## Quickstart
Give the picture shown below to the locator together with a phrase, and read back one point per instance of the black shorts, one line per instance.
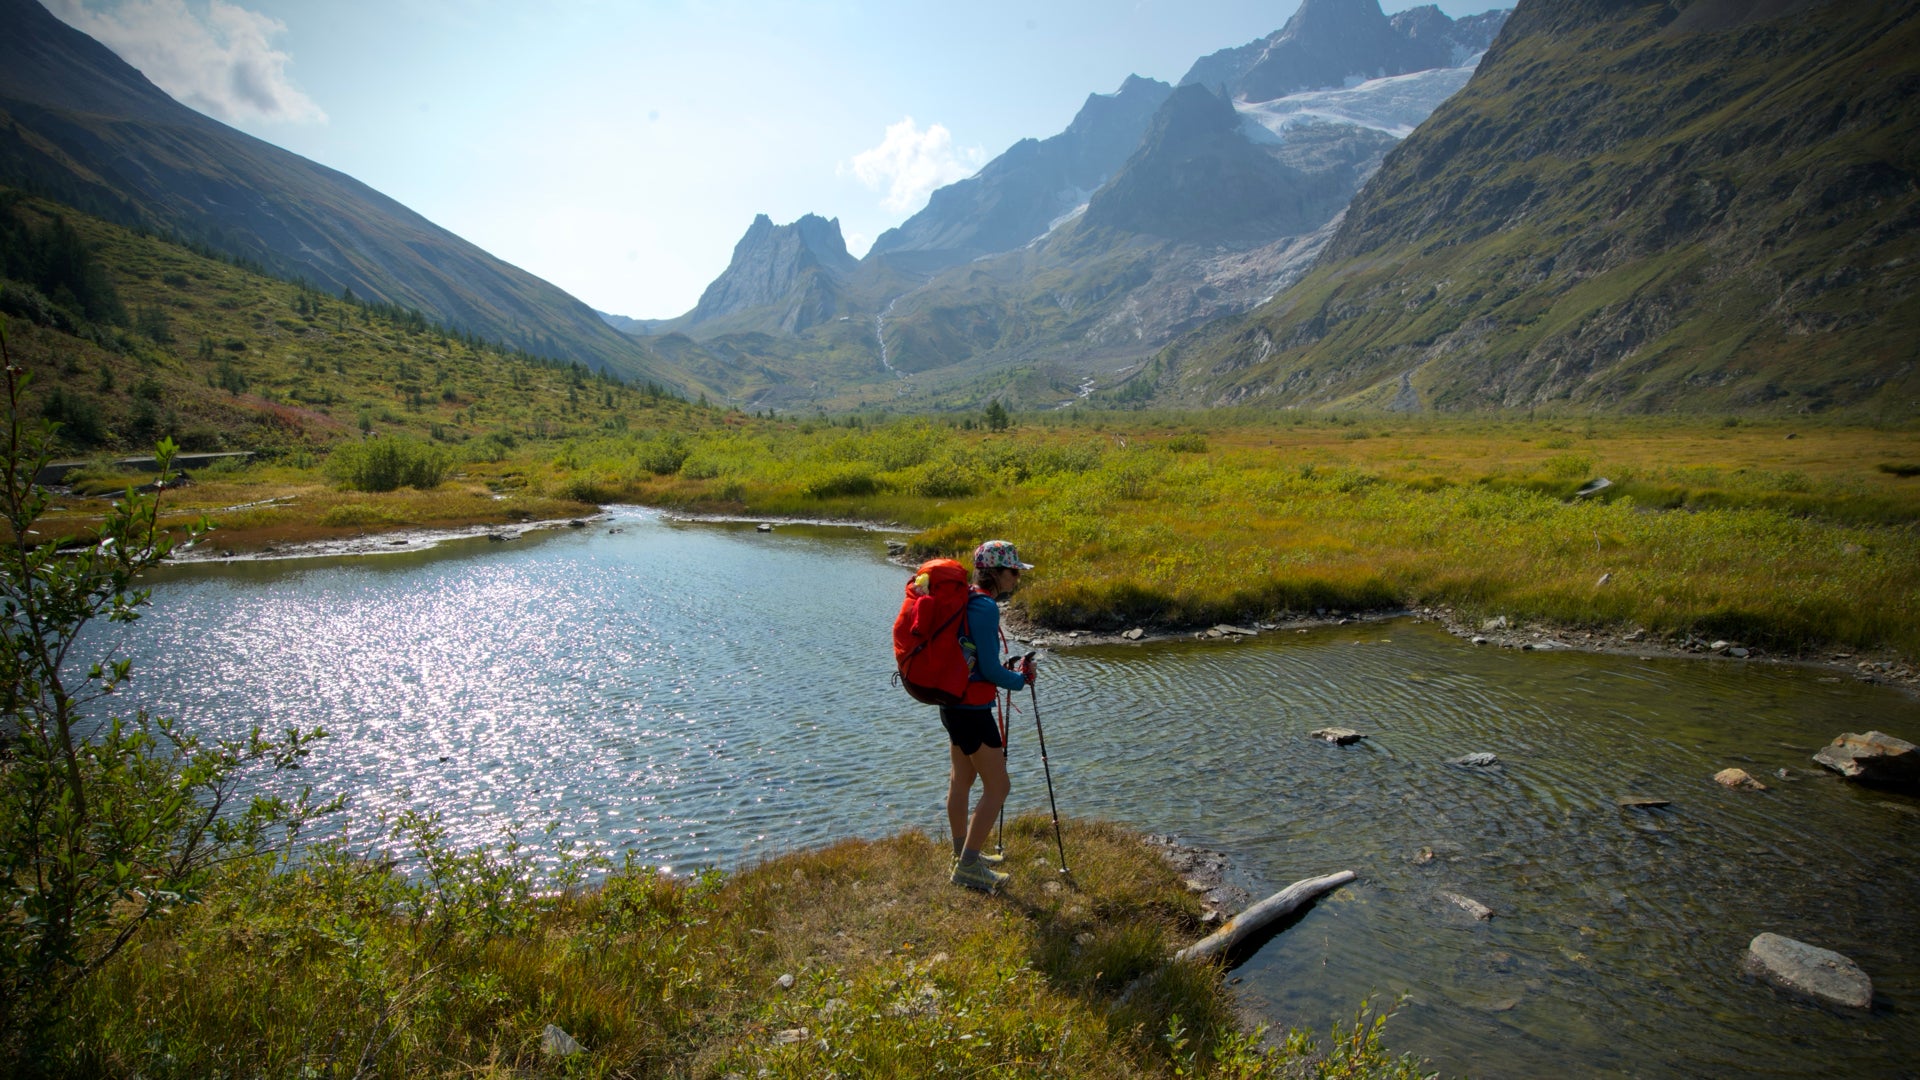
(970, 729)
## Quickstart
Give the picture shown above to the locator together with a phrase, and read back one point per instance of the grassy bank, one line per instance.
(893, 972)
(1787, 537)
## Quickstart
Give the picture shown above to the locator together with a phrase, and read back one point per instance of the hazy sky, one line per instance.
(619, 149)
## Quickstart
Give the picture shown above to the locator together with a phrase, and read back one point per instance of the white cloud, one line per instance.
(222, 62)
(909, 164)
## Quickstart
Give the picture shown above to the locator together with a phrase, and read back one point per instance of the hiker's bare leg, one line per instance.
(959, 786)
(990, 762)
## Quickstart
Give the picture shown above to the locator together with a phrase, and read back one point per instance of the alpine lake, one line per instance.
(705, 695)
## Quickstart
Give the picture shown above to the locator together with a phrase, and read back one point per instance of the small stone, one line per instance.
(1210, 918)
(1635, 636)
(1498, 622)
(1084, 937)
(1738, 778)
(557, 1043)
(1604, 578)
(1134, 634)
(1338, 736)
(1479, 760)
(1478, 640)
(1738, 653)
(1807, 969)
(1235, 631)
(1423, 857)
(763, 527)
(1641, 802)
(785, 981)
(1720, 646)
(1195, 885)
(789, 1036)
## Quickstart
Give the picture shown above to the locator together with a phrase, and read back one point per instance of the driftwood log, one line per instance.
(1248, 922)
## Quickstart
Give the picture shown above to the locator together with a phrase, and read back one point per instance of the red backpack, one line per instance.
(926, 636)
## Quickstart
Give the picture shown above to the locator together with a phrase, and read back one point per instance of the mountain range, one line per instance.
(1595, 204)
(1157, 209)
(79, 125)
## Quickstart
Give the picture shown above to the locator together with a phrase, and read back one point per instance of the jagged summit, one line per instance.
(1020, 194)
(796, 268)
(1328, 42)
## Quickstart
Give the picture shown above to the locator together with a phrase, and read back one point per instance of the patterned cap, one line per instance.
(998, 553)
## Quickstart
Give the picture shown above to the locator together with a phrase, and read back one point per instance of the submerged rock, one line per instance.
(1468, 904)
(1338, 736)
(1479, 760)
(1642, 802)
(1807, 969)
(1872, 758)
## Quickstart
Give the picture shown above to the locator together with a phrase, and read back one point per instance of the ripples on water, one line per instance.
(705, 695)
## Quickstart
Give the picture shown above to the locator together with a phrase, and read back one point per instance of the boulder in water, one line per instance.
(1478, 760)
(1873, 758)
(1807, 969)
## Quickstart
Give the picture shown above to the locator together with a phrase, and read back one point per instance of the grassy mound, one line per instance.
(858, 959)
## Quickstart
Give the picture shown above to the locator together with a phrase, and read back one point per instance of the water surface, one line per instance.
(707, 695)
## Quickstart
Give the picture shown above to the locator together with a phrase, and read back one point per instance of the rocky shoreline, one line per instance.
(1881, 667)
(210, 550)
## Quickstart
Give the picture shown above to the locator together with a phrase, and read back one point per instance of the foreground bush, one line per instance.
(108, 823)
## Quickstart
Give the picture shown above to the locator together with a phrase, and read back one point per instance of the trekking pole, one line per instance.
(1006, 750)
(1055, 807)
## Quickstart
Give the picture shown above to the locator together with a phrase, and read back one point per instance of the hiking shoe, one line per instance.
(978, 876)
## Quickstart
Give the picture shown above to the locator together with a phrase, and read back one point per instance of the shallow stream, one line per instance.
(706, 694)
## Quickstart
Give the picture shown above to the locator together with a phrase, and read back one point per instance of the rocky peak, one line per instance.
(771, 261)
(1196, 177)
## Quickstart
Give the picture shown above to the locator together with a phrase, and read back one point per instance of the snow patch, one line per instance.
(1396, 104)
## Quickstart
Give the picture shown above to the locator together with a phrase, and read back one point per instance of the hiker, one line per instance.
(976, 750)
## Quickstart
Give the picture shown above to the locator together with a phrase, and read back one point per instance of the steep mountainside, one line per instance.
(1020, 194)
(80, 125)
(1198, 177)
(1330, 42)
(1633, 205)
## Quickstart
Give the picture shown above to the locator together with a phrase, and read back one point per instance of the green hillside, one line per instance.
(157, 339)
(1635, 207)
(79, 125)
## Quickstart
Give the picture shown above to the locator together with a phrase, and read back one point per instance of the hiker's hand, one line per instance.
(1027, 670)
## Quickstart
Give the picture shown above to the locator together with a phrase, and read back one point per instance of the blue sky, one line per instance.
(619, 149)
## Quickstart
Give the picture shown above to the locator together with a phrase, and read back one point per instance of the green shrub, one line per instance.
(848, 480)
(1191, 442)
(387, 463)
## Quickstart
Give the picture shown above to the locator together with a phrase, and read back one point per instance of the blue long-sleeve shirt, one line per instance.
(983, 624)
